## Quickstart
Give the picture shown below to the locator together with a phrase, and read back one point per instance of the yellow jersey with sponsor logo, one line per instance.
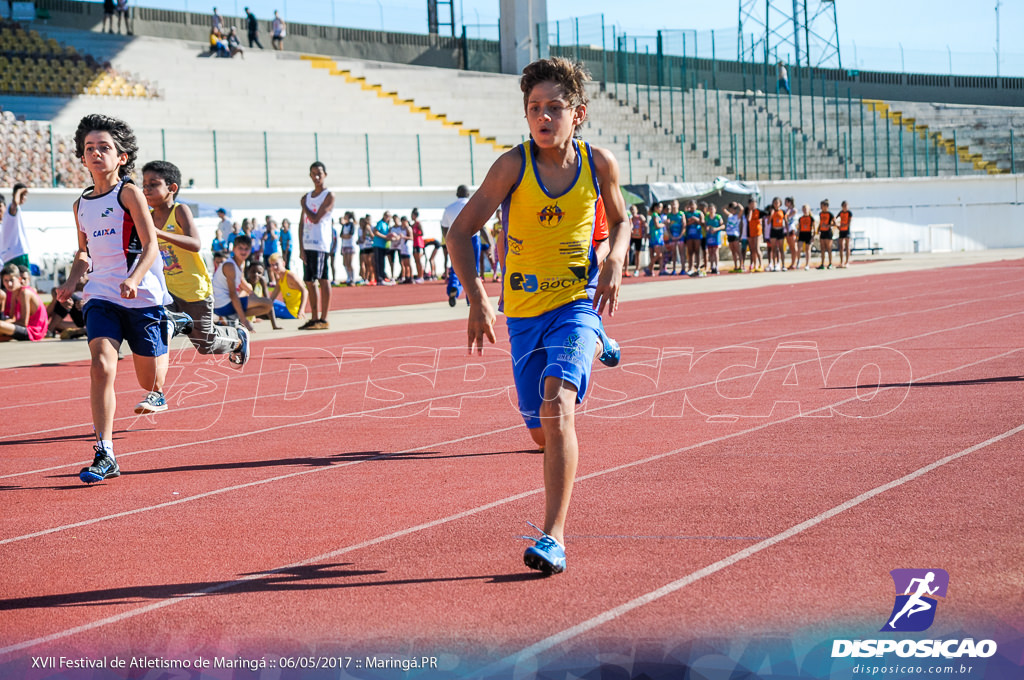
(549, 258)
(184, 271)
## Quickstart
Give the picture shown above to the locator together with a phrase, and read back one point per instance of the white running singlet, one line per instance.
(114, 248)
(316, 235)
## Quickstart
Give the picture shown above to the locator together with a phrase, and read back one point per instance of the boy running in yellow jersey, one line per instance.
(188, 279)
(548, 189)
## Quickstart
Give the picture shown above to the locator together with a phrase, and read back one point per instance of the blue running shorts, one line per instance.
(558, 343)
(145, 329)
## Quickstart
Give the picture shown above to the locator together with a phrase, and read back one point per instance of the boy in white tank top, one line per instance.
(315, 247)
(125, 294)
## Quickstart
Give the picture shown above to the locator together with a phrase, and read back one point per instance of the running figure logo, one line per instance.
(915, 605)
(551, 216)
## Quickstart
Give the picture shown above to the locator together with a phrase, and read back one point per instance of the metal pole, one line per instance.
(615, 62)
(714, 63)
(888, 146)
(901, 147)
(163, 144)
(694, 107)
(768, 139)
(626, 64)
(577, 41)
(874, 135)
(757, 150)
(732, 137)
(925, 154)
(836, 100)
(636, 60)
(849, 118)
(913, 150)
(604, 56)
(707, 131)
(718, 120)
(216, 169)
(1013, 164)
(782, 154)
(316, 146)
(682, 156)
(659, 62)
(53, 160)
(743, 138)
(266, 159)
(629, 155)
(846, 158)
(814, 132)
(792, 153)
(824, 112)
(671, 104)
(647, 64)
(956, 156)
(366, 140)
(863, 166)
(805, 159)
(419, 158)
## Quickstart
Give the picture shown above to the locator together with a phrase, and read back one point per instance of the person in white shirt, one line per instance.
(13, 237)
(450, 213)
(315, 247)
(278, 27)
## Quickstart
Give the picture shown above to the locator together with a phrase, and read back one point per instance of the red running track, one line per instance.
(758, 464)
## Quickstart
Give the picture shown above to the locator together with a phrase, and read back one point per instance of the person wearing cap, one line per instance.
(224, 226)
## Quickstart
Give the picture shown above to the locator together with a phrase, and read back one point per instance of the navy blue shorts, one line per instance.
(559, 343)
(146, 329)
(229, 309)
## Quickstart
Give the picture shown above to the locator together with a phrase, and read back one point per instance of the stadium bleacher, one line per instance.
(257, 121)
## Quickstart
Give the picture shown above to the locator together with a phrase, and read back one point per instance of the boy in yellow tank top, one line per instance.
(552, 291)
(188, 279)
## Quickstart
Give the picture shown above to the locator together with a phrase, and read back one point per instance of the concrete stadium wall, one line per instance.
(985, 212)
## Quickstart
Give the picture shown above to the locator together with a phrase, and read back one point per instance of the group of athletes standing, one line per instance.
(684, 239)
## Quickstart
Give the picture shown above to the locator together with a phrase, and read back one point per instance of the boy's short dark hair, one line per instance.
(120, 132)
(219, 253)
(16, 188)
(318, 164)
(571, 75)
(243, 240)
(166, 171)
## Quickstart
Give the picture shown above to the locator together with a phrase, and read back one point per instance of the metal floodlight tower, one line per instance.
(802, 32)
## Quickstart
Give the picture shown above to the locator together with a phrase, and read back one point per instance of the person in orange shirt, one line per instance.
(754, 217)
(776, 235)
(825, 222)
(805, 234)
(844, 217)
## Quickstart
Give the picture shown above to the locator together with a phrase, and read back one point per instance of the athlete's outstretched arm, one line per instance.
(610, 281)
(499, 181)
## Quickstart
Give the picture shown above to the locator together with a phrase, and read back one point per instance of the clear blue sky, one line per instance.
(932, 33)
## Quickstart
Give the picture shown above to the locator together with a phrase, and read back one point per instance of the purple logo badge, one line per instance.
(916, 591)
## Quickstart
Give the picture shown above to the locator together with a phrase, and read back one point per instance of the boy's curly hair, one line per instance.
(120, 132)
(571, 75)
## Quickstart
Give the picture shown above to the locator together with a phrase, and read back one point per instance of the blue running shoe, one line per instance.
(611, 353)
(103, 467)
(546, 555)
(241, 355)
(180, 322)
(153, 403)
